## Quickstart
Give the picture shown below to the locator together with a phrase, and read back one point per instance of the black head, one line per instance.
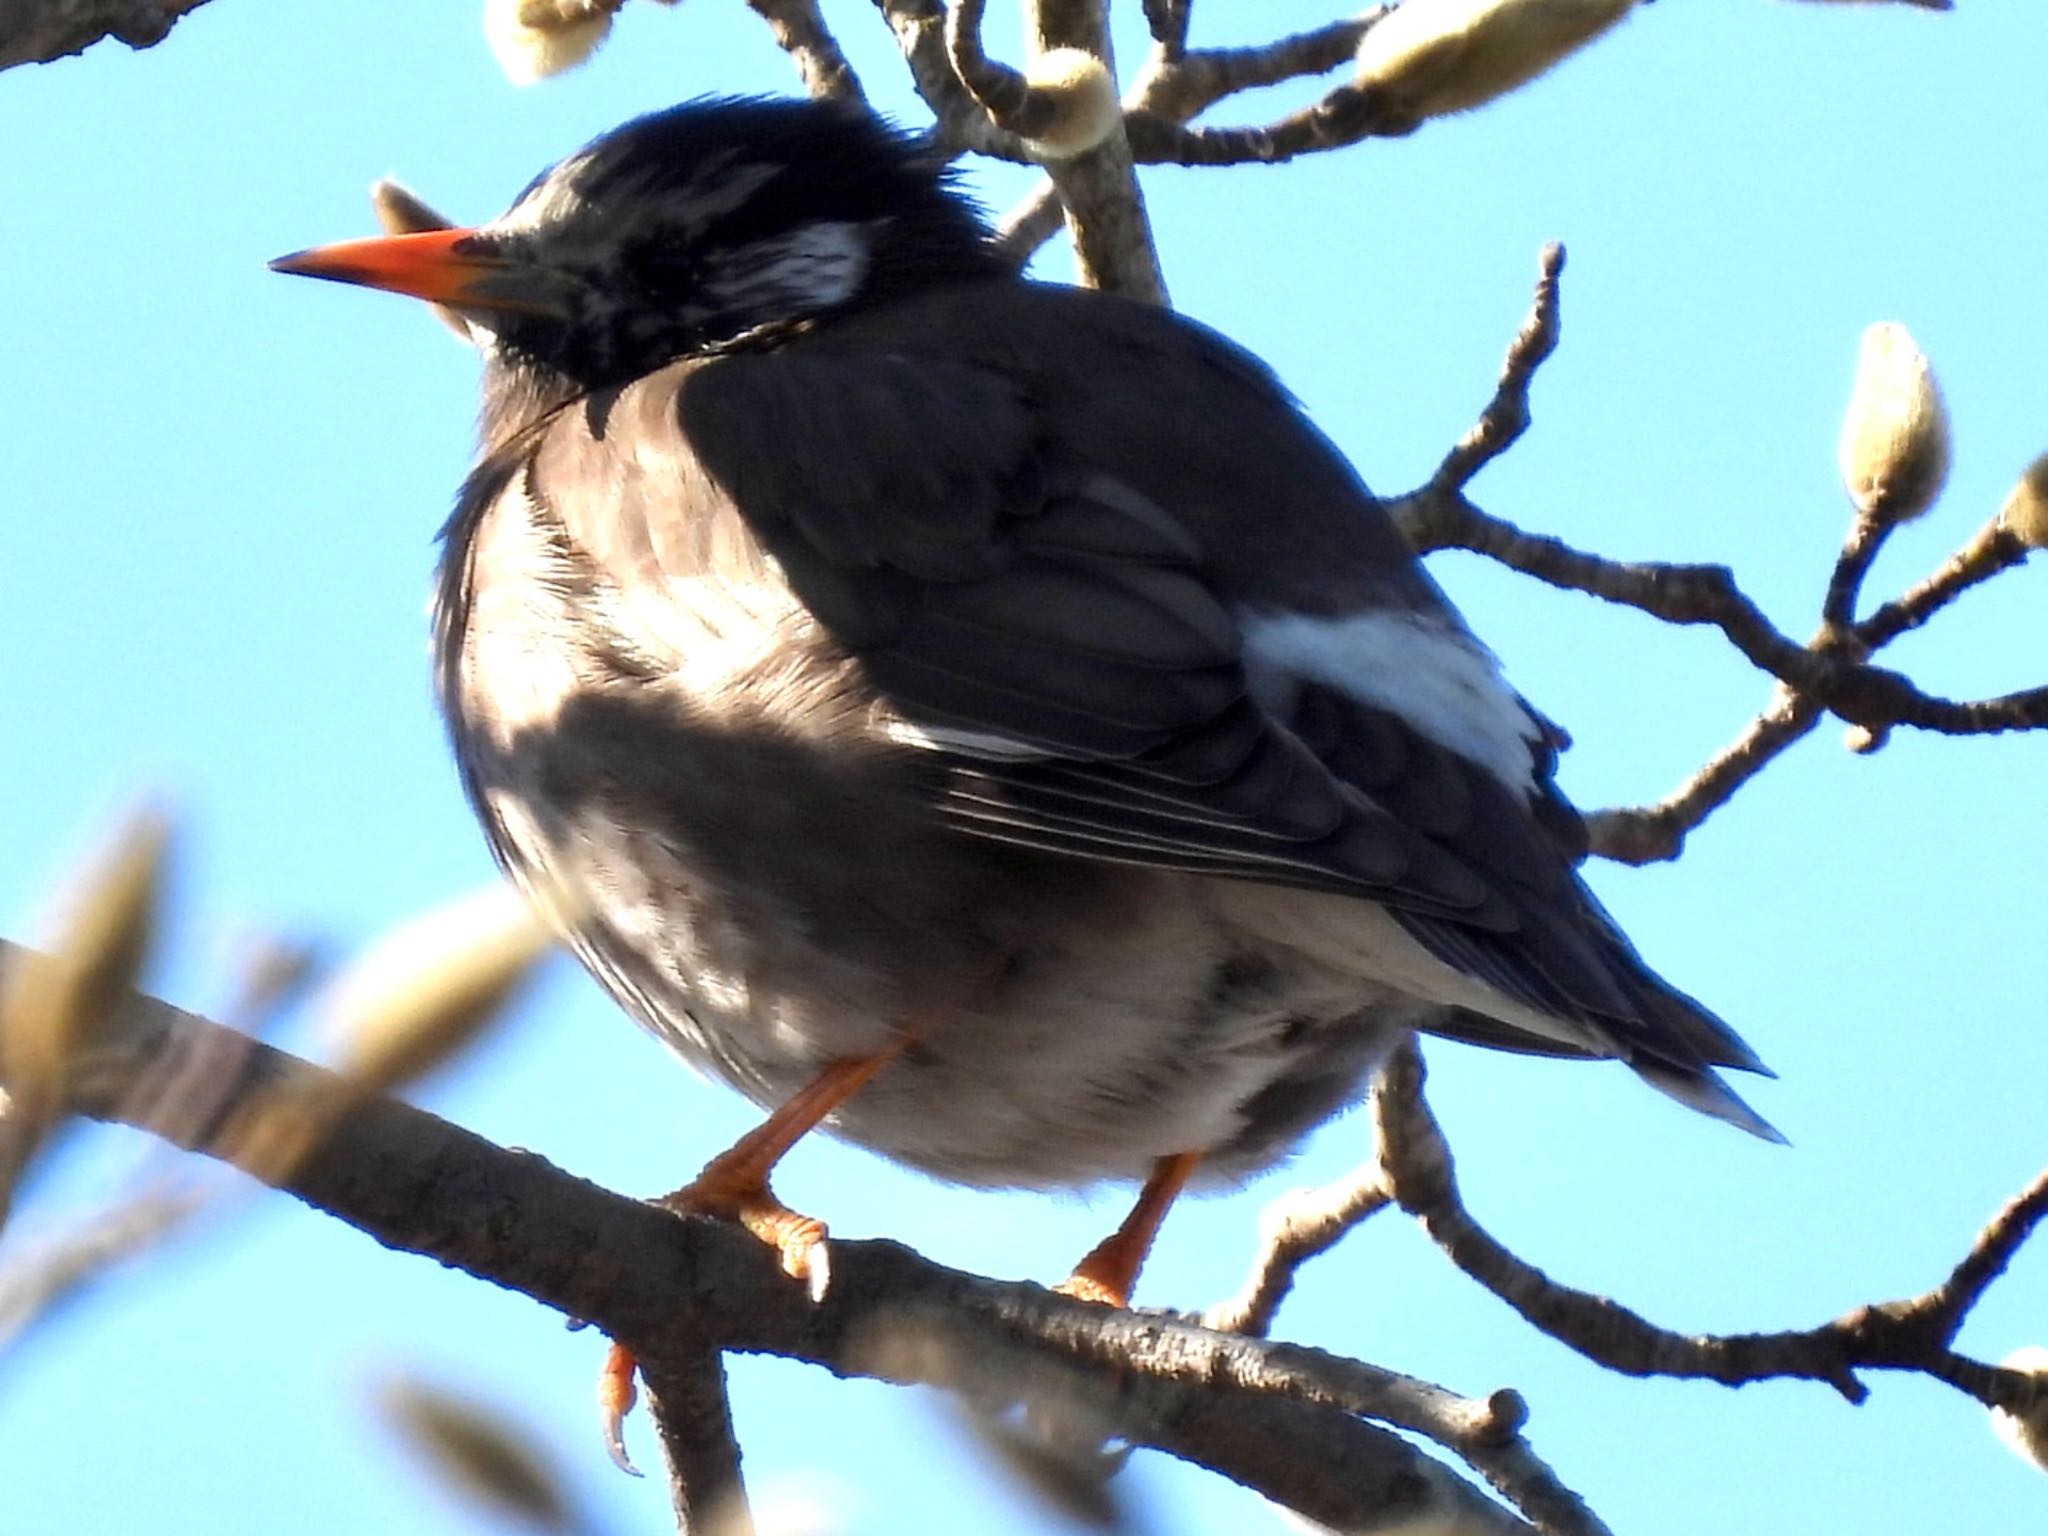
(712, 224)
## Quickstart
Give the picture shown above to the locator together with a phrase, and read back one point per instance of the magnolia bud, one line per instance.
(1895, 439)
(496, 1464)
(428, 988)
(1082, 96)
(1430, 57)
(2027, 1434)
(532, 39)
(2025, 513)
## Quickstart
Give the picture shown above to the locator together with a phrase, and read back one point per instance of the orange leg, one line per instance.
(1110, 1271)
(734, 1186)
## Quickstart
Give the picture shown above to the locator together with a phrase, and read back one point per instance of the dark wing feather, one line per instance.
(1066, 649)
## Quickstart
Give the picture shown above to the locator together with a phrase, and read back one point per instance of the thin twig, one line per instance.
(1653, 833)
(1910, 1335)
(1168, 22)
(1003, 93)
(1185, 87)
(1297, 1227)
(800, 32)
(1860, 548)
(1176, 88)
(1831, 672)
(1990, 551)
(1506, 416)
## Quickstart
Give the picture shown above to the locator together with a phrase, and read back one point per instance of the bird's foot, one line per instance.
(738, 1193)
(799, 1241)
(1107, 1276)
(1110, 1272)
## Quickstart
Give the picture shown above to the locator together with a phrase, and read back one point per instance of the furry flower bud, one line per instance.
(532, 39)
(1430, 57)
(2025, 513)
(1895, 436)
(1082, 96)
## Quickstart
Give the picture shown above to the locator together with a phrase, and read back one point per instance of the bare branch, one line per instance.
(800, 32)
(1944, 1308)
(1003, 93)
(1648, 834)
(1174, 87)
(1830, 673)
(1506, 416)
(1992, 550)
(1168, 22)
(1106, 217)
(1184, 87)
(1035, 219)
(1911, 1335)
(38, 31)
(920, 29)
(1294, 1229)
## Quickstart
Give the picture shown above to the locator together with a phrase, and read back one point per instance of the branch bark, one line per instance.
(1279, 1419)
(40, 31)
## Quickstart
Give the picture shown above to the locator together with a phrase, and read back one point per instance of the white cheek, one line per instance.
(813, 268)
(1440, 680)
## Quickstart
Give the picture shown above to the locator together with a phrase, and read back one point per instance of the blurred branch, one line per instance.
(39, 1282)
(39, 31)
(1913, 1334)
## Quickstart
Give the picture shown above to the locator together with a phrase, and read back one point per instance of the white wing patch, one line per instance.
(970, 743)
(1437, 678)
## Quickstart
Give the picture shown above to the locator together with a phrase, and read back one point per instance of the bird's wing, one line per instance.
(1060, 645)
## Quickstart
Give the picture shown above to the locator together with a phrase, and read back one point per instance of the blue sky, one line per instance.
(220, 494)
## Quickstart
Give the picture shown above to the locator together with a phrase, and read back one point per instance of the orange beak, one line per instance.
(443, 266)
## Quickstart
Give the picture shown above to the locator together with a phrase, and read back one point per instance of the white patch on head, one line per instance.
(1436, 677)
(812, 268)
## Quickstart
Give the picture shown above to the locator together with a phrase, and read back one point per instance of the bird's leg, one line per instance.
(1110, 1271)
(734, 1184)
(734, 1187)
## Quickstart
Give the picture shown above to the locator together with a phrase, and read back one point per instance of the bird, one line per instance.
(980, 716)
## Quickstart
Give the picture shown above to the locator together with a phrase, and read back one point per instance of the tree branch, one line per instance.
(39, 31)
(800, 32)
(1910, 1335)
(686, 1399)
(1830, 673)
(1276, 1418)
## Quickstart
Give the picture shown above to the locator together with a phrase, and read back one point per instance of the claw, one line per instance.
(616, 1395)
